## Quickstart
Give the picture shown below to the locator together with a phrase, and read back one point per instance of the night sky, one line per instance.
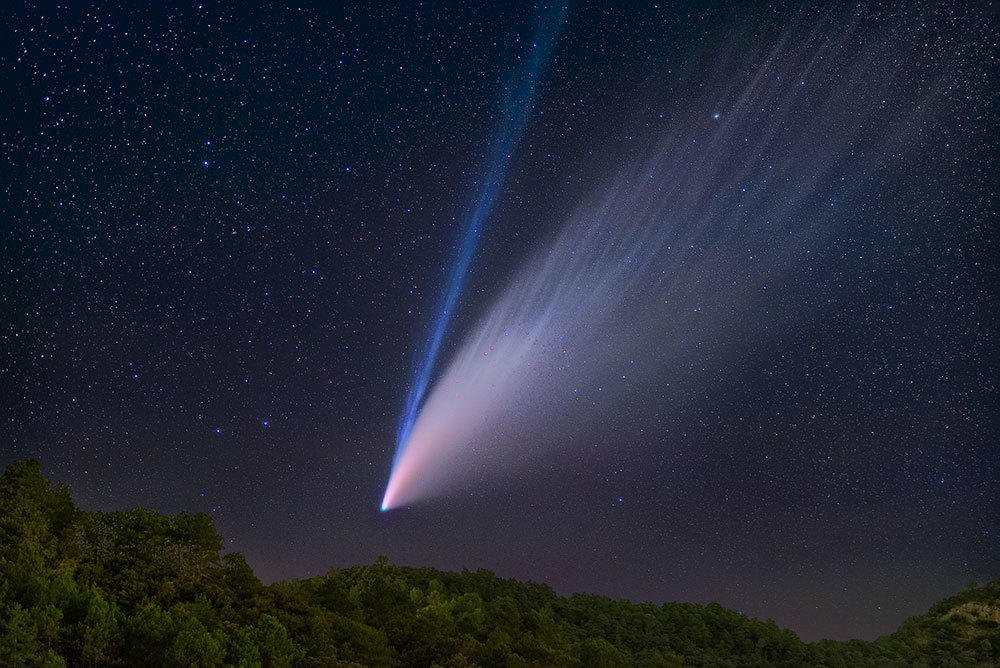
(749, 248)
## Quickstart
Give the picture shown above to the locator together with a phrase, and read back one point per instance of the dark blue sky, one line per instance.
(229, 233)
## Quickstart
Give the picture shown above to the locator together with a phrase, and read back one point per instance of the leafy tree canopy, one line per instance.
(137, 588)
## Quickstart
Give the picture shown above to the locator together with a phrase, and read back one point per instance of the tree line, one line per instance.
(138, 588)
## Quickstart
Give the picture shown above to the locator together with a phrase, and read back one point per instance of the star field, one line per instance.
(229, 233)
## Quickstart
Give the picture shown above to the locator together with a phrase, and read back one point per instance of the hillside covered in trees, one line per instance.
(136, 588)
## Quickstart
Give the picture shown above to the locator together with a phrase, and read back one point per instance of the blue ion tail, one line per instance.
(515, 109)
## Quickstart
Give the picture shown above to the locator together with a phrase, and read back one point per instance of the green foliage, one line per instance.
(192, 644)
(276, 647)
(136, 588)
(599, 653)
(20, 641)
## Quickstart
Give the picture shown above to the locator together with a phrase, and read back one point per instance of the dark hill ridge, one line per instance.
(136, 588)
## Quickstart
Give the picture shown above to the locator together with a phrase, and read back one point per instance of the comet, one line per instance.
(661, 274)
(516, 108)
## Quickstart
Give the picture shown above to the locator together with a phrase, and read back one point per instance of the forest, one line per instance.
(138, 588)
